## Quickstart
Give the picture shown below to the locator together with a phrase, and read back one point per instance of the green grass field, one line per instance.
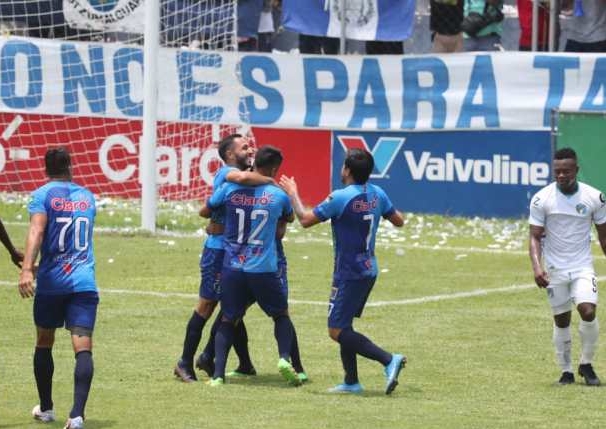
(454, 295)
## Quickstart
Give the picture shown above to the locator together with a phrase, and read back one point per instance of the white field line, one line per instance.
(411, 301)
(295, 239)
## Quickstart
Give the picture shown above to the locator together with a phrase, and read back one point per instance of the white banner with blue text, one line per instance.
(430, 92)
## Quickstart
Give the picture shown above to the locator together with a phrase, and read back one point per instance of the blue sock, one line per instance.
(193, 333)
(361, 345)
(209, 349)
(223, 342)
(83, 376)
(283, 331)
(44, 368)
(294, 352)
(241, 347)
(350, 365)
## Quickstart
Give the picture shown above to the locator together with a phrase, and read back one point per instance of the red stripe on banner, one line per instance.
(353, 142)
(105, 155)
(307, 157)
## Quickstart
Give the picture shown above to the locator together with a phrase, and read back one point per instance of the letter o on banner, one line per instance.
(208, 157)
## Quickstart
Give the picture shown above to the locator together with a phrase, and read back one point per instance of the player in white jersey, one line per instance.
(561, 215)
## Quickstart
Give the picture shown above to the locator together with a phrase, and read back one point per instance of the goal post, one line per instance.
(583, 131)
(105, 92)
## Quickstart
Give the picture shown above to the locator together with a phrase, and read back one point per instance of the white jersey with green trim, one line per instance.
(567, 220)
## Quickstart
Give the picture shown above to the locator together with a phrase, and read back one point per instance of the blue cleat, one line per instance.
(392, 370)
(347, 388)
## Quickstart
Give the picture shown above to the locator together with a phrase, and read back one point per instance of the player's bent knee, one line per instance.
(45, 338)
(587, 311)
(205, 307)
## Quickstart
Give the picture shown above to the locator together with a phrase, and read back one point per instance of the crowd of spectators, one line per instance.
(454, 26)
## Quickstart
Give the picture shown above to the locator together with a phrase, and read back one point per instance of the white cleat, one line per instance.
(44, 416)
(75, 423)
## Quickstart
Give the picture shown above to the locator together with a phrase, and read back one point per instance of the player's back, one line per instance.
(251, 218)
(67, 262)
(355, 212)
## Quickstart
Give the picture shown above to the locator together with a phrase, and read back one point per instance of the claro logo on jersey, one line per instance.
(250, 200)
(360, 206)
(500, 169)
(65, 205)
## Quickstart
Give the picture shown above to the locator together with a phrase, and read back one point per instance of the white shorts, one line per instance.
(567, 287)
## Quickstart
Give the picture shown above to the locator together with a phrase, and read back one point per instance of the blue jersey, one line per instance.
(251, 220)
(67, 262)
(355, 212)
(218, 215)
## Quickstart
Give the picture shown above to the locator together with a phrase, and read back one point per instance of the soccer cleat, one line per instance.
(185, 372)
(242, 373)
(566, 378)
(43, 416)
(392, 370)
(303, 377)
(203, 363)
(347, 388)
(288, 372)
(586, 371)
(74, 423)
(216, 382)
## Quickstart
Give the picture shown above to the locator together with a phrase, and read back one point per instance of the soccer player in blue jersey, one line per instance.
(355, 212)
(62, 215)
(16, 255)
(250, 266)
(236, 152)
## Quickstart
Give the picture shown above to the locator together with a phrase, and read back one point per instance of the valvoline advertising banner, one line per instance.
(486, 173)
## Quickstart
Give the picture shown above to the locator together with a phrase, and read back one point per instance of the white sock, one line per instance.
(562, 341)
(589, 339)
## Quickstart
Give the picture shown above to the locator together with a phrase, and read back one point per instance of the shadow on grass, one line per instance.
(100, 424)
(264, 380)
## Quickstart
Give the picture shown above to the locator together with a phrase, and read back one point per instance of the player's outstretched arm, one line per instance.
(602, 236)
(306, 217)
(16, 255)
(396, 219)
(534, 251)
(33, 242)
(248, 178)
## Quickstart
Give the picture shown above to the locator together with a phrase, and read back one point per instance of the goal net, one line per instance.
(72, 75)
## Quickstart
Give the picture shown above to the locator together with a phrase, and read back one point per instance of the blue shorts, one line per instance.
(240, 289)
(283, 278)
(71, 310)
(347, 300)
(211, 264)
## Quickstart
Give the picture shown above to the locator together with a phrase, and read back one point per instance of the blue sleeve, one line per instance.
(217, 197)
(387, 208)
(331, 207)
(287, 210)
(220, 177)
(36, 203)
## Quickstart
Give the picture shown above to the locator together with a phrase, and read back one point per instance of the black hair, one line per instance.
(360, 163)
(226, 144)
(565, 153)
(57, 162)
(268, 157)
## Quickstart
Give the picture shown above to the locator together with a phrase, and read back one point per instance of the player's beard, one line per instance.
(243, 162)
